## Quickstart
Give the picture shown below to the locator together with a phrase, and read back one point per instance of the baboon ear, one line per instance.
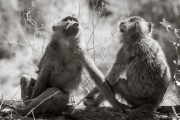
(150, 26)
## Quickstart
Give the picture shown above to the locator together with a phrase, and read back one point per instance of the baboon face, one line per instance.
(135, 25)
(69, 26)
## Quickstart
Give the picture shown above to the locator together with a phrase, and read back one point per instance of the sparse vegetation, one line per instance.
(25, 28)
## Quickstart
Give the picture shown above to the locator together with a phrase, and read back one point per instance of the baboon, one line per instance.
(144, 63)
(60, 72)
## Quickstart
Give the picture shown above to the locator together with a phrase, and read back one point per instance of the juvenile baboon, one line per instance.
(143, 61)
(60, 72)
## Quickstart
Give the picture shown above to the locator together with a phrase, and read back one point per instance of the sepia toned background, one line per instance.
(25, 30)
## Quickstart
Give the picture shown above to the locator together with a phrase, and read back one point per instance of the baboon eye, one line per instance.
(134, 19)
(70, 18)
(75, 19)
(67, 18)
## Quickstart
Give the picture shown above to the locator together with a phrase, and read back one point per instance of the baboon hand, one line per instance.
(90, 102)
(121, 107)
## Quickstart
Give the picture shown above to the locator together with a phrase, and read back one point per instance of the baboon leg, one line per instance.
(94, 101)
(122, 89)
(52, 101)
(92, 93)
(95, 91)
(100, 98)
(148, 108)
(90, 99)
(27, 85)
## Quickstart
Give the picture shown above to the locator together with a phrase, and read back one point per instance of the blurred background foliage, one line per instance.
(25, 30)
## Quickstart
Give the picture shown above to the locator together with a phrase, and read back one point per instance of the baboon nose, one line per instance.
(75, 24)
(122, 23)
(122, 27)
(54, 28)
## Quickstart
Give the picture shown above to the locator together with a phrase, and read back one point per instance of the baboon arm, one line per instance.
(117, 68)
(111, 78)
(98, 78)
(114, 74)
(41, 82)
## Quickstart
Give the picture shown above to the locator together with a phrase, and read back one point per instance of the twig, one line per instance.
(33, 115)
(172, 100)
(79, 10)
(175, 112)
(164, 23)
(5, 98)
(29, 63)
